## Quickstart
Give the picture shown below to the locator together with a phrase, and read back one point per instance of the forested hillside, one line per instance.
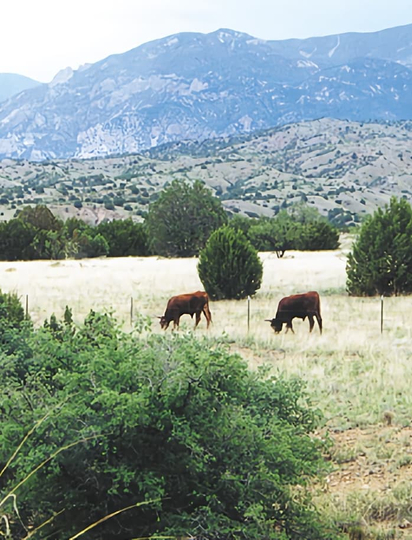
(344, 169)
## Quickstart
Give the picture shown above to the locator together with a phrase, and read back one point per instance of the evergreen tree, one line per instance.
(229, 266)
(16, 239)
(317, 236)
(381, 258)
(182, 219)
(40, 217)
(124, 237)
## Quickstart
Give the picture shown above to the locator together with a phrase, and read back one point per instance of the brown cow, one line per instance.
(300, 306)
(190, 304)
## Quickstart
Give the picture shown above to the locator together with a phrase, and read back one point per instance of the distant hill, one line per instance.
(201, 86)
(344, 169)
(11, 84)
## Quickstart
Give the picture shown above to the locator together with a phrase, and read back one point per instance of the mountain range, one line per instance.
(11, 84)
(201, 86)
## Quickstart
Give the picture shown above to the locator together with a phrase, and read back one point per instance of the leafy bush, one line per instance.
(40, 217)
(277, 234)
(125, 237)
(180, 426)
(229, 266)
(317, 236)
(302, 229)
(16, 239)
(381, 258)
(11, 309)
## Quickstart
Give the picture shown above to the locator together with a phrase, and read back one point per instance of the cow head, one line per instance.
(276, 324)
(164, 323)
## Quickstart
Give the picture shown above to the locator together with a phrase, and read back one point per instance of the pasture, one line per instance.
(357, 376)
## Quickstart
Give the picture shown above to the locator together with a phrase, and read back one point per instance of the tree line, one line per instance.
(37, 234)
(187, 220)
(178, 224)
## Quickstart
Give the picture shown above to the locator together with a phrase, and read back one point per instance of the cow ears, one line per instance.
(268, 320)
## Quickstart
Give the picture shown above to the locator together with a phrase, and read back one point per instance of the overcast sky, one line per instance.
(40, 37)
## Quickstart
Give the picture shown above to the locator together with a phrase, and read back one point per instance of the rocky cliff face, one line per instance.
(199, 86)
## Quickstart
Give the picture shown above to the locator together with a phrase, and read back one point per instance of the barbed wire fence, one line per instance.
(381, 313)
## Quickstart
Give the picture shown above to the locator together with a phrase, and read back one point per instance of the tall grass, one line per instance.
(354, 372)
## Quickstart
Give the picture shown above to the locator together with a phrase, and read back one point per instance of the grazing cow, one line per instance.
(190, 304)
(300, 306)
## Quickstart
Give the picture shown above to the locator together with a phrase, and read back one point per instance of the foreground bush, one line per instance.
(178, 425)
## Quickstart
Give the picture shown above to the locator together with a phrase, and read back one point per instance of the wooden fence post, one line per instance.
(248, 313)
(381, 313)
(131, 311)
(27, 306)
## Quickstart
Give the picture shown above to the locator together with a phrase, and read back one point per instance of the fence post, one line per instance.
(248, 313)
(131, 311)
(27, 306)
(381, 313)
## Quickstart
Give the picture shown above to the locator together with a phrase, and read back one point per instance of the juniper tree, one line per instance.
(381, 258)
(229, 266)
(182, 219)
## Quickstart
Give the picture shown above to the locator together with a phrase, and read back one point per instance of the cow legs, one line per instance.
(176, 323)
(198, 315)
(208, 315)
(311, 322)
(289, 326)
(319, 319)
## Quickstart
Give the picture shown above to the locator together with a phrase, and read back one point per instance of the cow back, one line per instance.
(299, 304)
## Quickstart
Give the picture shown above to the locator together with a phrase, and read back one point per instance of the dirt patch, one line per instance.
(377, 458)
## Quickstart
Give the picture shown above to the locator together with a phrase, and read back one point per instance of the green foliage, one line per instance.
(40, 217)
(301, 229)
(182, 219)
(316, 236)
(13, 328)
(16, 239)
(275, 234)
(49, 244)
(229, 266)
(36, 234)
(88, 244)
(222, 451)
(11, 309)
(124, 237)
(381, 258)
(241, 223)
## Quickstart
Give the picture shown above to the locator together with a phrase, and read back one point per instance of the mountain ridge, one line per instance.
(202, 86)
(13, 83)
(344, 169)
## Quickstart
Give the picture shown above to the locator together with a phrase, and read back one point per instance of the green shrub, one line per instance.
(229, 266)
(381, 258)
(181, 426)
(11, 309)
(316, 236)
(125, 237)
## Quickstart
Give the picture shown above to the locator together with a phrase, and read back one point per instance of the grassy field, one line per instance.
(359, 377)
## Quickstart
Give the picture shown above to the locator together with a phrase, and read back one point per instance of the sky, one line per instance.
(38, 38)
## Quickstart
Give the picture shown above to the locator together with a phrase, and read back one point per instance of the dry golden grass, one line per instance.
(111, 283)
(354, 372)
